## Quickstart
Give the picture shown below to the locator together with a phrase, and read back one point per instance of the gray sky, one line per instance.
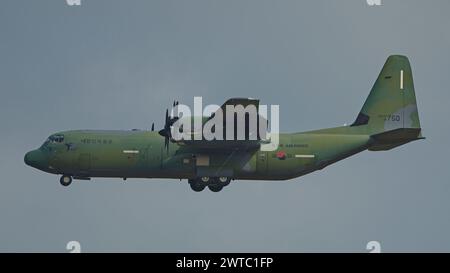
(118, 65)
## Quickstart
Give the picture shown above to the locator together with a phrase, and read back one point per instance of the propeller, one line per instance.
(165, 132)
(169, 121)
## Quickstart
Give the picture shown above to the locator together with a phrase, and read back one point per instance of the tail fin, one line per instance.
(391, 105)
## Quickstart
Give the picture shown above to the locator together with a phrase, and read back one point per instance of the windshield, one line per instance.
(56, 139)
(53, 139)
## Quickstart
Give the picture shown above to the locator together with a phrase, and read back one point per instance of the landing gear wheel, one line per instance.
(197, 187)
(65, 180)
(215, 187)
(224, 181)
(205, 179)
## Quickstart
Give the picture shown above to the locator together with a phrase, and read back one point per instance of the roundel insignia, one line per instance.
(281, 155)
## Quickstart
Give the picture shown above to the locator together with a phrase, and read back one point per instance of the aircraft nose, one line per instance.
(35, 159)
(28, 157)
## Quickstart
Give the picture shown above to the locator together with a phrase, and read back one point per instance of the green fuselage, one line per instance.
(141, 154)
(389, 118)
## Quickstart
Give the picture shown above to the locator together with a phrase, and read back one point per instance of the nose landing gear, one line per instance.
(65, 180)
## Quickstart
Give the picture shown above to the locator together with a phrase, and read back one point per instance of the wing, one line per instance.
(223, 124)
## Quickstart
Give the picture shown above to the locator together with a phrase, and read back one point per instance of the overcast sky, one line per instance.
(119, 64)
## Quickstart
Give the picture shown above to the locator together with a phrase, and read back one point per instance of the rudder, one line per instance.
(390, 112)
(391, 103)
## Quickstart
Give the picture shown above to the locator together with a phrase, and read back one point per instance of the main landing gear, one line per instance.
(65, 180)
(215, 184)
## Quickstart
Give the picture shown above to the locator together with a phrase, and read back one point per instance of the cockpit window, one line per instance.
(56, 138)
(53, 139)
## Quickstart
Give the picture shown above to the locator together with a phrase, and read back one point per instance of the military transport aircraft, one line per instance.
(389, 118)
